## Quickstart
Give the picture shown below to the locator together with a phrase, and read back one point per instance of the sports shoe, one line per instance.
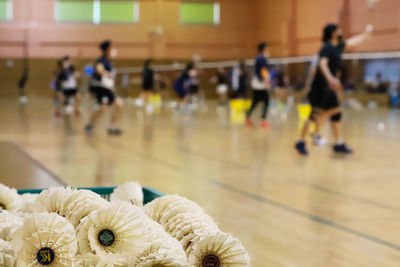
(249, 123)
(301, 148)
(114, 131)
(319, 140)
(264, 124)
(89, 129)
(342, 148)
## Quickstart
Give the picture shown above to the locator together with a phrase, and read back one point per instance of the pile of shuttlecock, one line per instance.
(64, 226)
(200, 237)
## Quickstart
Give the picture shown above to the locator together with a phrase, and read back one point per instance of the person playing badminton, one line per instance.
(326, 89)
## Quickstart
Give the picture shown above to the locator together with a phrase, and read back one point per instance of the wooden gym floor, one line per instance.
(323, 210)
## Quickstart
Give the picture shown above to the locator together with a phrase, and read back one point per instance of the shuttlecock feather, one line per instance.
(7, 258)
(156, 209)
(79, 204)
(219, 249)
(28, 202)
(9, 198)
(45, 238)
(131, 192)
(51, 200)
(156, 254)
(112, 232)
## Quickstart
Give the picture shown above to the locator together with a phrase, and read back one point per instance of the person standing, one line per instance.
(102, 85)
(68, 85)
(148, 81)
(261, 84)
(326, 89)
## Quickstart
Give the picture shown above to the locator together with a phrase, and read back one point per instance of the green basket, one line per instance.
(149, 194)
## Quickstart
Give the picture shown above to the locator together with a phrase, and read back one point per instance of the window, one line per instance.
(97, 11)
(6, 10)
(119, 11)
(200, 13)
(74, 11)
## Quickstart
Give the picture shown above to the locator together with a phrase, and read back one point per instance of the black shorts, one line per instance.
(324, 100)
(93, 90)
(105, 96)
(70, 93)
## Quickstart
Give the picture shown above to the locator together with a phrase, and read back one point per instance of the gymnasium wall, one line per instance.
(34, 22)
(293, 27)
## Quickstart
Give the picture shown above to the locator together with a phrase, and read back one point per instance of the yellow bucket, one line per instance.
(240, 105)
(155, 99)
(238, 110)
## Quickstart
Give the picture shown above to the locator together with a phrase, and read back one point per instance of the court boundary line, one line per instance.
(311, 186)
(328, 190)
(310, 216)
(37, 163)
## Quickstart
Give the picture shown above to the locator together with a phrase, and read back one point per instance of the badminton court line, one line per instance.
(307, 215)
(327, 190)
(37, 163)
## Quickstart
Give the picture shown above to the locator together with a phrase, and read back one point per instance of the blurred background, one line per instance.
(288, 210)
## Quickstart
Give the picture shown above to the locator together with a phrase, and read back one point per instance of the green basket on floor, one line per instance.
(149, 194)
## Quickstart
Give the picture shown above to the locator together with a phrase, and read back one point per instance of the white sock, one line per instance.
(340, 142)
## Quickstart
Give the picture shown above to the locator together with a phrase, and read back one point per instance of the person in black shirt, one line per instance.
(21, 85)
(102, 85)
(242, 81)
(149, 78)
(239, 80)
(66, 82)
(326, 89)
(220, 78)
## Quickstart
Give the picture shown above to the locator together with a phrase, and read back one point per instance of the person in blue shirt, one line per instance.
(102, 86)
(261, 84)
(181, 83)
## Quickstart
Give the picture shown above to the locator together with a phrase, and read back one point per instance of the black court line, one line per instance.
(307, 215)
(37, 163)
(338, 193)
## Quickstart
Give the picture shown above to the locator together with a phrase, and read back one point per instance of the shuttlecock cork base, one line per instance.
(45, 256)
(210, 261)
(106, 237)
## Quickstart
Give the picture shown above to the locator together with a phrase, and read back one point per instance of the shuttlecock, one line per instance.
(79, 204)
(90, 260)
(9, 222)
(9, 198)
(112, 232)
(45, 239)
(156, 208)
(28, 202)
(7, 258)
(219, 249)
(131, 192)
(155, 254)
(51, 200)
(155, 234)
